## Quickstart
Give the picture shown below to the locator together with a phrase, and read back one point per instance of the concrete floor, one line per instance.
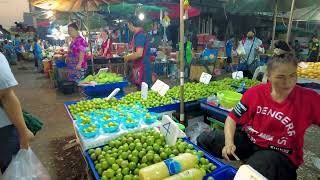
(38, 97)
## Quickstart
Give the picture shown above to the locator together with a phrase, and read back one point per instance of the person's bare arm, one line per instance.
(12, 107)
(229, 131)
(136, 55)
(81, 58)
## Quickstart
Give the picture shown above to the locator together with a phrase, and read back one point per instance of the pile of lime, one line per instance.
(91, 105)
(153, 100)
(123, 157)
(111, 124)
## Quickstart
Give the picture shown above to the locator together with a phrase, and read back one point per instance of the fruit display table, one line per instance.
(103, 135)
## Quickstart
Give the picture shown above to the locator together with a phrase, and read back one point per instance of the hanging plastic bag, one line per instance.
(26, 166)
(194, 130)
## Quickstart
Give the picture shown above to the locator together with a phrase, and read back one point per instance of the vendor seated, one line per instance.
(274, 119)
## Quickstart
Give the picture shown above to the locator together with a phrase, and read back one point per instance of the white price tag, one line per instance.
(160, 87)
(205, 78)
(237, 75)
(103, 70)
(170, 130)
(303, 65)
(144, 91)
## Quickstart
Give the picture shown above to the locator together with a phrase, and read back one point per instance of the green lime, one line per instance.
(142, 153)
(167, 151)
(139, 146)
(98, 151)
(124, 155)
(156, 158)
(144, 145)
(99, 171)
(111, 160)
(93, 156)
(127, 177)
(124, 164)
(119, 176)
(119, 161)
(136, 171)
(172, 156)
(132, 146)
(163, 155)
(92, 151)
(150, 156)
(135, 153)
(110, 173)
(135, 177)
(143, 165)
(104, 178)
(135, 159)
(210, 178)
(125, 147)
(104, 165)
(115, 167)
(144, 159)
(132, 165)
(125, 171)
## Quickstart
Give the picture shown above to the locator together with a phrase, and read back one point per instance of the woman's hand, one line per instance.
(228, 150)
(25, 139)
(78, 67)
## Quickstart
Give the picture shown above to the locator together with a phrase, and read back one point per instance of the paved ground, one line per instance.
(39, 98)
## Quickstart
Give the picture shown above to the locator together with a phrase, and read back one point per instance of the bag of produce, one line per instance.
(33, 123)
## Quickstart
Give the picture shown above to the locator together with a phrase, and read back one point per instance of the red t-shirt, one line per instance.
(278, 126)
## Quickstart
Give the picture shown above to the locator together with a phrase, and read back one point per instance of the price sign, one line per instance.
(247, 172)
(160, 87)
(205, 78)
(303, 65)
(170, 130)
(144, 91)
(103, 70)
(237, 75)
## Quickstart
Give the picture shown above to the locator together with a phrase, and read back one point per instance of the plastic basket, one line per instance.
(165, 108)
(220, 165)
(103, 88)
(226, 173)
(60, 63)
(229, 99)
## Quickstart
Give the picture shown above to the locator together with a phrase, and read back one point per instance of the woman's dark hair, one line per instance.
(74, 26)
(282, 54)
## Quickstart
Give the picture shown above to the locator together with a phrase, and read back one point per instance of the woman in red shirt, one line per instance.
(274, 119)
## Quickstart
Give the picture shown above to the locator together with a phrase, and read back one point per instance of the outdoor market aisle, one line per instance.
(37, 97)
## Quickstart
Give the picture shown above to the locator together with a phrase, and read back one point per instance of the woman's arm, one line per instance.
(229, 131)
(81, 58)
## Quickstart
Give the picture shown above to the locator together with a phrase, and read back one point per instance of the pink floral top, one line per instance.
(76, 46)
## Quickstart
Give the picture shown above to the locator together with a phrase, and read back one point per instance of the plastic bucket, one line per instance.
(229, 99)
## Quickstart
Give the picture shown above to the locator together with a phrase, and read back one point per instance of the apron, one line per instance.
(138, 66)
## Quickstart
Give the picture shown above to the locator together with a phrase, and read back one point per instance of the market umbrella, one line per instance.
(73, 6)
(130, 8)
(174, 10)
(311, 13)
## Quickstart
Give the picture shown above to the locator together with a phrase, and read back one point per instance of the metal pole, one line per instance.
(181, 63)
(290, 21)
(89, 38)
(274, 23)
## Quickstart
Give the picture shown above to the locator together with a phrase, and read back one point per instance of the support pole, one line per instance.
(274, 23)
(290, 21)
(181, 63)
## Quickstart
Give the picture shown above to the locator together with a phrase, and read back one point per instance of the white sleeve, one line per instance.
(7, 79)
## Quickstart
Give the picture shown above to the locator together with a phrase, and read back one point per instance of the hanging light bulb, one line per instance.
(141, 16)
(49, 13)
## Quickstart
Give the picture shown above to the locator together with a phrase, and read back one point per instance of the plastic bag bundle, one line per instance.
(194, 130)
(26, 166)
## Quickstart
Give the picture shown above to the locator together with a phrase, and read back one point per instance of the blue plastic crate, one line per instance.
(104, 94)
(226, 173)
(216, 112)
(165, 108)
(220, 165)
(93, 90)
